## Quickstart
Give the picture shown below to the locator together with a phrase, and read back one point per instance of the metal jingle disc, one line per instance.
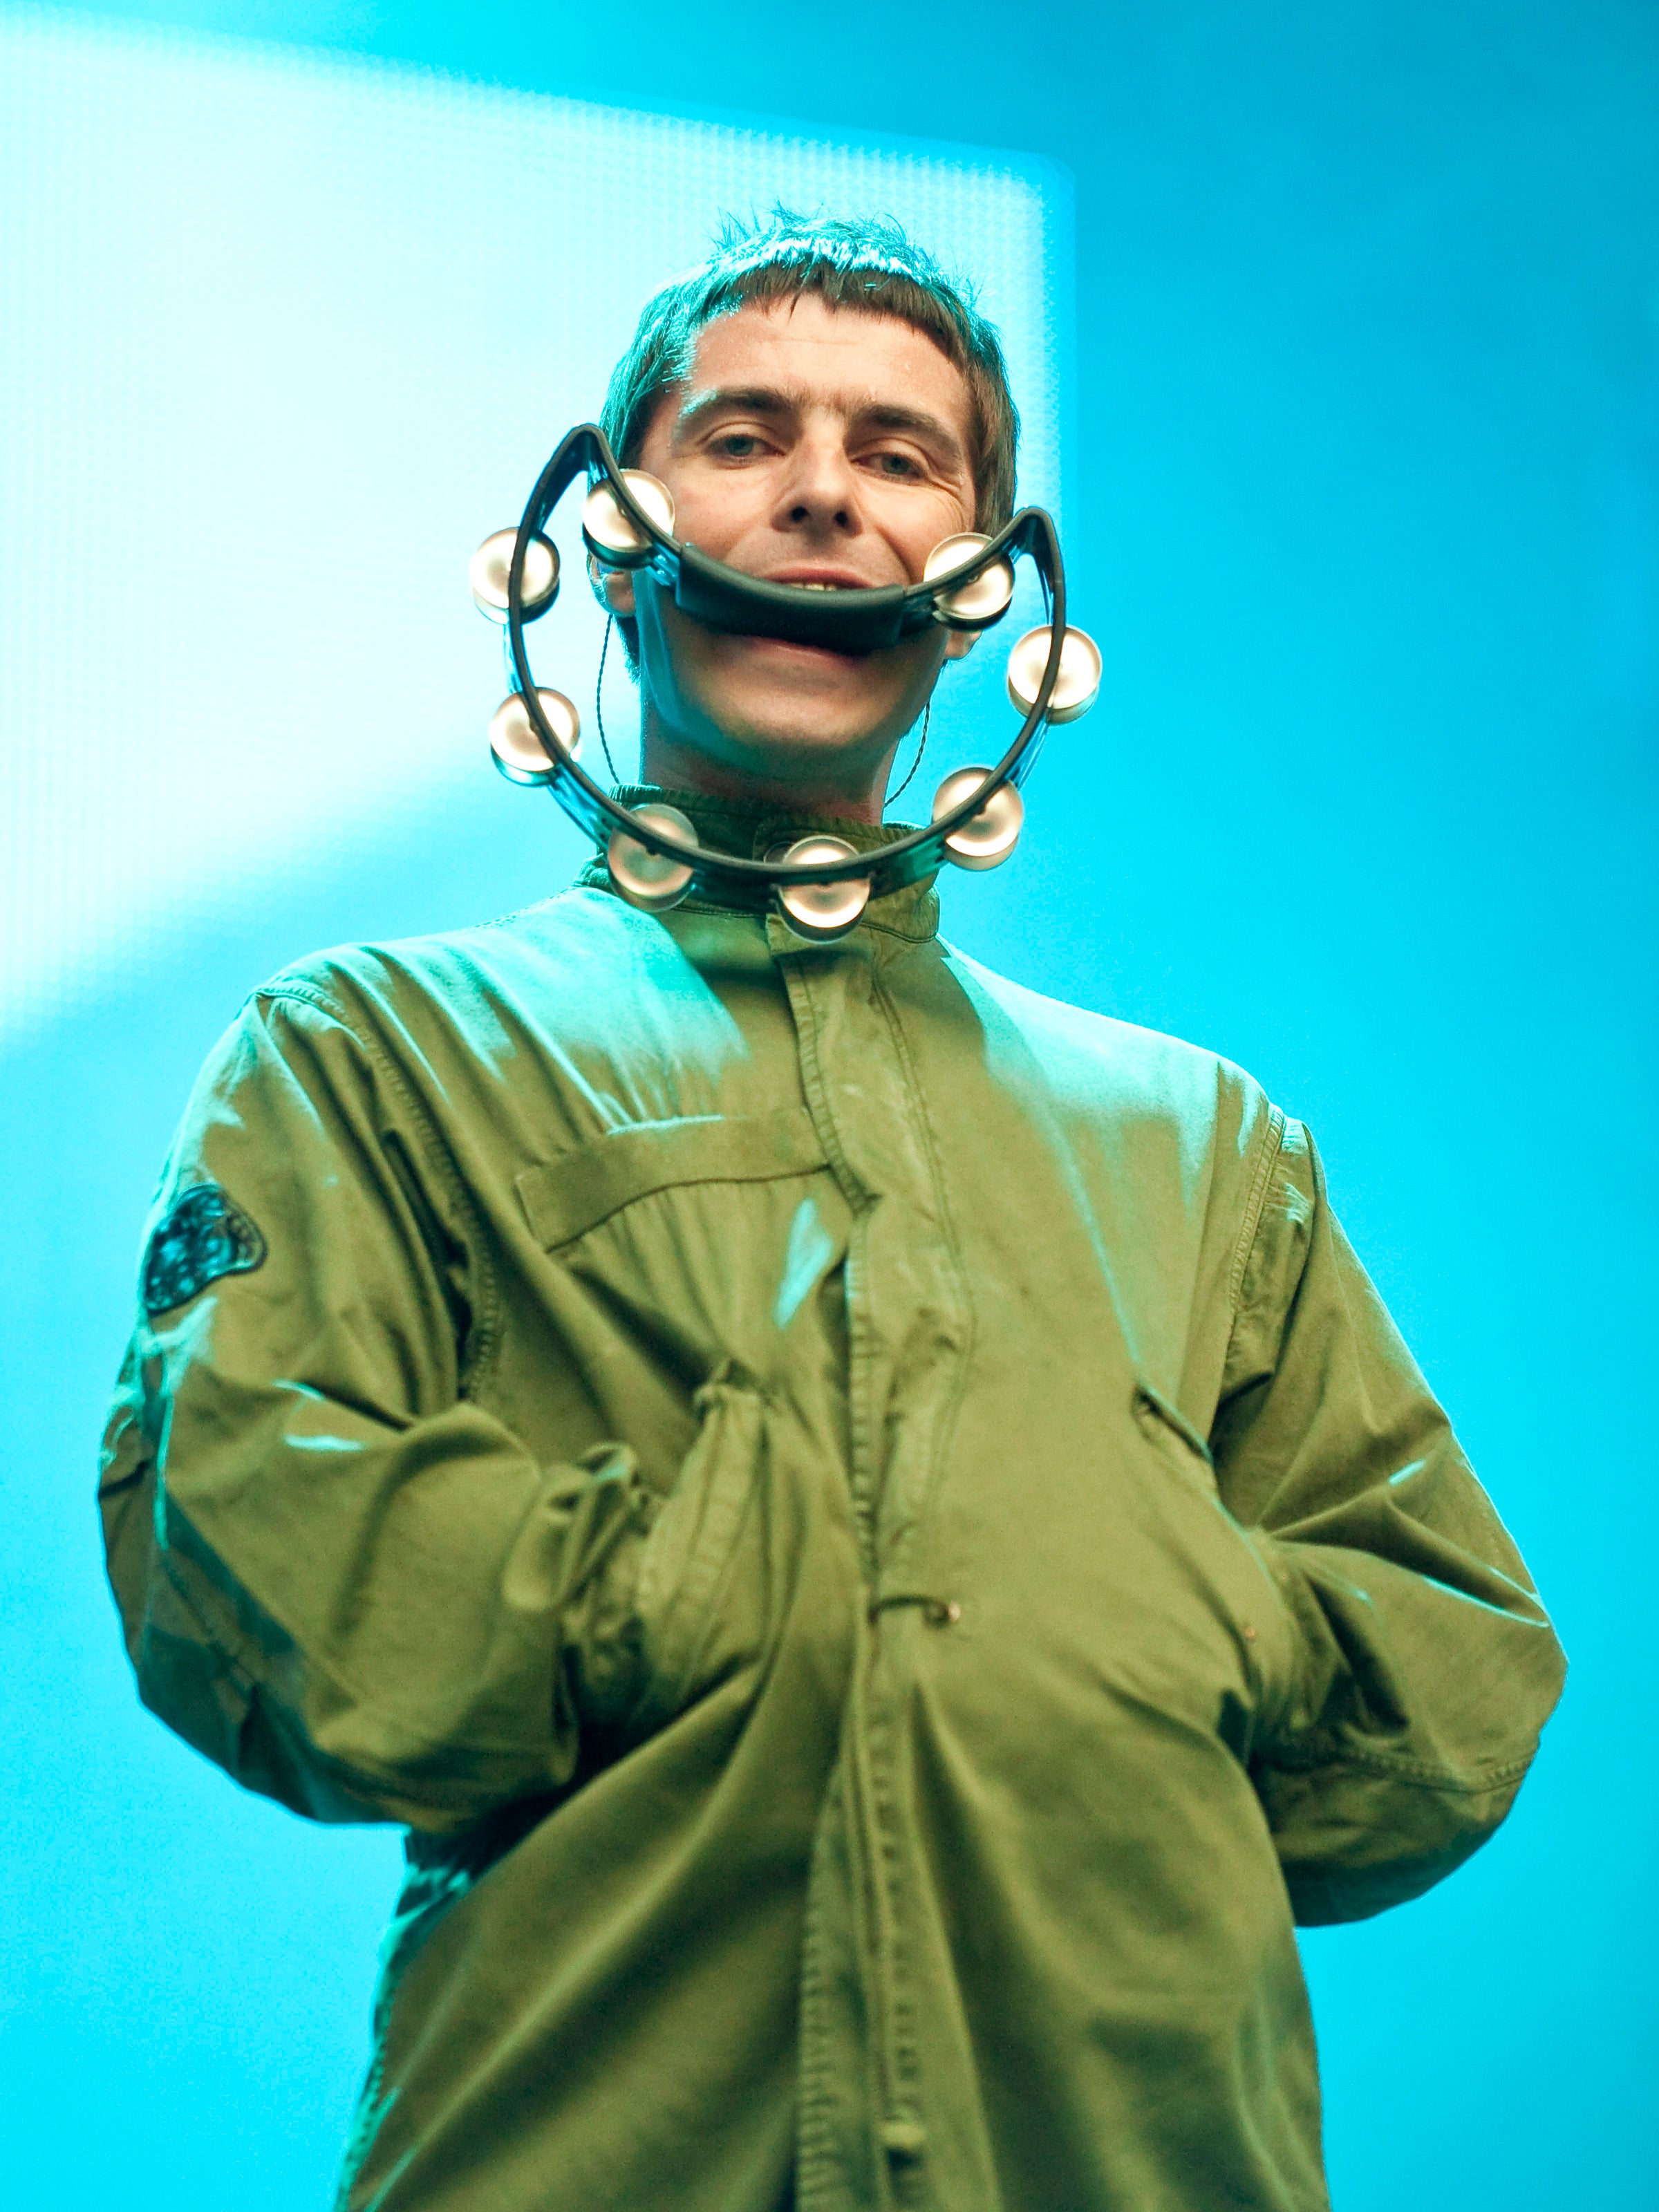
(610, 535)
(515, 742)
(652, 881)
(984, 598)
(984, 839)
(488, 571)
(601, 576)
(822, 911)
(1076, 687)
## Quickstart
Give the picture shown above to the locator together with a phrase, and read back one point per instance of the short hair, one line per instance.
(863, 262)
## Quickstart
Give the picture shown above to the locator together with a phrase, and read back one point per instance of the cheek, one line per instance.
(915, 526)
(716, 516)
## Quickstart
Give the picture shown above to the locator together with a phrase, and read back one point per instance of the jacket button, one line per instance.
(903, 2138)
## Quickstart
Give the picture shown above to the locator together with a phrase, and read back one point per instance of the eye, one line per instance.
(735, 446)
(893, 463)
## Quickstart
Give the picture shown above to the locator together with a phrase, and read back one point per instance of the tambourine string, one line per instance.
(599, 704)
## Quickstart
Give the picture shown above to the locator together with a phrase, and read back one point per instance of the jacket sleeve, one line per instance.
(339, 1577)
(1428, 1665)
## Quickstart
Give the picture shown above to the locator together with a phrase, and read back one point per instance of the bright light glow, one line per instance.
(282, 336)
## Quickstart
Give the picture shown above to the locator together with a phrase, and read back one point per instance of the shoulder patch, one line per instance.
(204, 1234)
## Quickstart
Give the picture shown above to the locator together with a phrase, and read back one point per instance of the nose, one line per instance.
(819, 493)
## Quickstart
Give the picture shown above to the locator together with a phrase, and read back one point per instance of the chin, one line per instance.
(767, 682)
(817, 758)
(820, 728)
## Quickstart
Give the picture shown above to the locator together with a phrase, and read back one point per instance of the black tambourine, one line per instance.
(820, 885)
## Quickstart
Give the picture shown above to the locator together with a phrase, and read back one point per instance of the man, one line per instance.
(869, 1523)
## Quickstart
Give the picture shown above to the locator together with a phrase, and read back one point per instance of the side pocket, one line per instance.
(1239, 1567)
(1169, 1429)
(700, 1619)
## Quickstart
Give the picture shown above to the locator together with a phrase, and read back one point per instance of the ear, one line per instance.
(960, 643)
(612, 587)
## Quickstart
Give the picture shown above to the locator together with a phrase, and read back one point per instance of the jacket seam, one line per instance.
(1270, 1143)
(245, 1678)
(1417, 1773)
(953, 1244)
(474, 1370)
(906, 2035)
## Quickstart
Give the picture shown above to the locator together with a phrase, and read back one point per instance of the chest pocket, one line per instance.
(705, 1237)
(709, 1230)
(594, 1180)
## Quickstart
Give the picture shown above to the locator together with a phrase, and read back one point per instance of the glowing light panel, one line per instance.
(282, 336)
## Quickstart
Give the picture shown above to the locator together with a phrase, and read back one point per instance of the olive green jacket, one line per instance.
(869, 1523)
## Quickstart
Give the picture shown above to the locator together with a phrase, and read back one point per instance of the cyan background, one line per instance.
(1355, 366)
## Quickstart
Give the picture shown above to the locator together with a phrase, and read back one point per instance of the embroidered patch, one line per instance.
(203, 1235)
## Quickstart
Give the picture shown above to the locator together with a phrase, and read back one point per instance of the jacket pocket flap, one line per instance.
(1153, 1408)
(563, 1200)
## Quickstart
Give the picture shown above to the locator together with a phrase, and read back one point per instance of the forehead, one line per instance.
(843, 358)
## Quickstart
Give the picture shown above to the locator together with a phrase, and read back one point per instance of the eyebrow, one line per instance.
(772, 401)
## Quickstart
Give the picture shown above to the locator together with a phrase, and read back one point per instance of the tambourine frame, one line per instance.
(762, 603)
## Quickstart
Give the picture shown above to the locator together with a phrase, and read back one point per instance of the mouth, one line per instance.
(792, 649)
(792, 653)
(818, 578)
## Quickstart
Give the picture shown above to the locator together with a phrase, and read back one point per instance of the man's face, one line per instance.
(812, 445)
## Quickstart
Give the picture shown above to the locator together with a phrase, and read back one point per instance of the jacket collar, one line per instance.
(752, 829)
